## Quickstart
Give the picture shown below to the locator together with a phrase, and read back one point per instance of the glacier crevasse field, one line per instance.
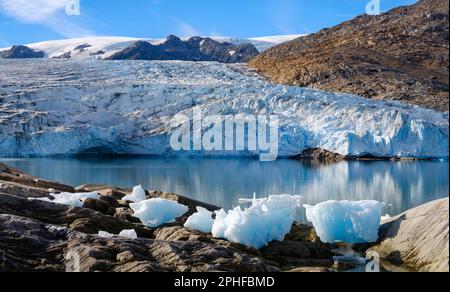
(54, 107)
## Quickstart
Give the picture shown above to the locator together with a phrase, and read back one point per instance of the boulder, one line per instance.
(417, 240)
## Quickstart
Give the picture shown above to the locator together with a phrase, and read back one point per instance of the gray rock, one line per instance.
(28, 245)
(417, 240)
(21, 52)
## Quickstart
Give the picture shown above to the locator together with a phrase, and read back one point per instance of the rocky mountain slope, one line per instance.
(194, 49)
(51, 107)
(400, 55)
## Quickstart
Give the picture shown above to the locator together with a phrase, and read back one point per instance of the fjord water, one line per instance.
(401, 185)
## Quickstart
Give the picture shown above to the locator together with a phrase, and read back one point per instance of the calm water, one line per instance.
(222, 182)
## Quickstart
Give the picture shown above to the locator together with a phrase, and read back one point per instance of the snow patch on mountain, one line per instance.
(103, 47)
(55, 107)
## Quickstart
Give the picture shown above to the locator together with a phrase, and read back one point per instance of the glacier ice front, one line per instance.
(346, 221)
(134, 103)
(156, 212)
(265, 221)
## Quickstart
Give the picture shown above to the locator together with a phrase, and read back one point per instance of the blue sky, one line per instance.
(27, 21)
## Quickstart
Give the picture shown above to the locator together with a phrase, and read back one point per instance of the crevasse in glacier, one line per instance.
(125, 107)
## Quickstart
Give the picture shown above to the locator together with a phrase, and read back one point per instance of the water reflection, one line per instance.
(401, 185)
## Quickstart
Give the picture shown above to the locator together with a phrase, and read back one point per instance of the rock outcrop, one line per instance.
(42, 236)
(400, 55)
(417, 240)
(194, 49)
(21, 52)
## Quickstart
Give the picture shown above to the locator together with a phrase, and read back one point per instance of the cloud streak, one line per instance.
(49, 13)
(185, 29)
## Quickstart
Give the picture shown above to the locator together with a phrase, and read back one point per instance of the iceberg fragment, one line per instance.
(265, 221)
(346, 221)
(136, 196)
(201, 221)
(156, 212)
(70, 199)
(131, 234)
(104, 234)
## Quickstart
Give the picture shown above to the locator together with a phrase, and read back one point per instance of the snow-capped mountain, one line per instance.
(51, 107)
(104, 47)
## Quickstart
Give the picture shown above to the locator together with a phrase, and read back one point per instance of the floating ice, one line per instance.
(265, 221)
(201, 221)
(69, 199)
(156, 212)
(136, 196)
(131, 234)
(345, 221)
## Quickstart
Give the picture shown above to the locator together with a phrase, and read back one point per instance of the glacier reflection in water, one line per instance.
(401, 185)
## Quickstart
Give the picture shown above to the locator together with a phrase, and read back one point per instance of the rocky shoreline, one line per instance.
(42, 236)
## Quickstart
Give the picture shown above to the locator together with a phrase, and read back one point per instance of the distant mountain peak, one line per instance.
(194, 49)
(21, 52)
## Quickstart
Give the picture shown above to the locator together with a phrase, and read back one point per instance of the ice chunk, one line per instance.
(131, 234)
(73, 200)
(156, 212)
(346, 221)
(265, 221)
(136, 196)
(104, 234)
(201, 221)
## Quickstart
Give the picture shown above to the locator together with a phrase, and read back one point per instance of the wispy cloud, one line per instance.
(185, 29)
(50, 13)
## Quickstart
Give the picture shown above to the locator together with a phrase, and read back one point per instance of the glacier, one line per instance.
(156, 212)
(67, 107)
(346, 221)
(265, 221)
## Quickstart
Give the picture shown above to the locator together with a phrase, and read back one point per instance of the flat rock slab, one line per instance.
(417, 240)
(28, 245)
